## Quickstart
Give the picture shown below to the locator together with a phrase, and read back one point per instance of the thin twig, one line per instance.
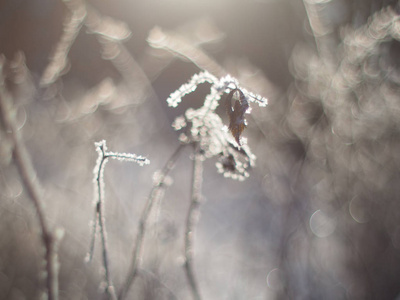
(191, 221)
(102, 226)
(154, 195)
(110, 287)
(89, 256)
(32, 186)
(102, 159)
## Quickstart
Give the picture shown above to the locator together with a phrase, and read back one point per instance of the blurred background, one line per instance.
(319, 216)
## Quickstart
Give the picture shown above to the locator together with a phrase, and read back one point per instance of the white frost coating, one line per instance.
(102, 159)
(218, 88)
(176, 97)
(216, 141)
(140, 160)
(98, 171)
(104, 155)
(212, 99)
(179, 123)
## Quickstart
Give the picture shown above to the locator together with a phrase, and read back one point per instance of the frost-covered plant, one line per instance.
(207, 128)
(99, 219)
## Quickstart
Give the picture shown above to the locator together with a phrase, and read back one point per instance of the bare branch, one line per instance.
(32, 186)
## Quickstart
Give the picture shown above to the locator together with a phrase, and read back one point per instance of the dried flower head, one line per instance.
(205, 126)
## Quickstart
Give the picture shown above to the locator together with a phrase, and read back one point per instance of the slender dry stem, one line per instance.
(102, 226)
(102, 159)
(32, 186)
(191, 221)
(155, 194)
(93, 236)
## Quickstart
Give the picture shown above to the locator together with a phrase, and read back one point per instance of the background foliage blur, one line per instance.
(317, 219)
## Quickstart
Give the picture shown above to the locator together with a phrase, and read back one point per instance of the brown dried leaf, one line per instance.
(237, 121)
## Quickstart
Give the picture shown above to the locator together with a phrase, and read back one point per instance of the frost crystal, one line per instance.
(179, 123)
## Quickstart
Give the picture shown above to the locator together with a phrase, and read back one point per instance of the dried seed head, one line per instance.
(205, 126)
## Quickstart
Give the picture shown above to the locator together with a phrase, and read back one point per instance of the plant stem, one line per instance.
(102, 225)
(32, 186)
(191, 221)
(154, 195)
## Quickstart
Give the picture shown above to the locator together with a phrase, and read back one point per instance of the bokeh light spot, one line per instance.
(358, 210)
(321, 224)
(275, 279)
